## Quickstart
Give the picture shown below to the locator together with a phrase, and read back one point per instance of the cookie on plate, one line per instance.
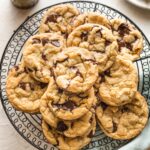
(119, 84)
(38, 53)
(23, 91)
(64, 105)
(97, 39)
(91, 17)
(59, 19)
(75, 70)
(65, 143)
(71, 128)
(129, 39)
(123, 122)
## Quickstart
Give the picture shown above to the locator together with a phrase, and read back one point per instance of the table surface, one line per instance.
(12, 17)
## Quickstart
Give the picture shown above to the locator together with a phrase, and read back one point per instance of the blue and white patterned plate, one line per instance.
(29, 126)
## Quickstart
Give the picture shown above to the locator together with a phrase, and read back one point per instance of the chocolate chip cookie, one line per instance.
(129, 39)
(71, 128)
(23, 91)
(59, 19)
(91, 17)
(119, 84)
(38, 54)
(123, 122)
(75, 70)
(99, 40)
(64, 105)
(65, 143)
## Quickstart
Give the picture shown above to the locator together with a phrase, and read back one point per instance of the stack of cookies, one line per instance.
(78, 70)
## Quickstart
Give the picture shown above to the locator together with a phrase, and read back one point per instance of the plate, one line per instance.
(145, 4)
(29, 126)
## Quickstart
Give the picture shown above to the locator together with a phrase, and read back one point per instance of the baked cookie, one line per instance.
(64, 105)
(123, 122)
(65, 143)
(71, 128)
(99, 40)
(23, 91)
(129, 39)
(75, 70)
(91, 17)
(119, 84)
(38, 53)
(59, 19)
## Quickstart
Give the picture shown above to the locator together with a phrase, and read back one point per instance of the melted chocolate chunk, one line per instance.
(84, 36)
(69, 105)
(36, 41)
(107, 43)
(61, 126)
(22, 85)
(60, 90)
(44, 57)
(121, 44)
(45, 41)
(123, 29)
(52, 18)
(90, 134)
(104, 106)
(55, 43)
(114, 127)
(16, 68)
(43, 85)
(129, 46)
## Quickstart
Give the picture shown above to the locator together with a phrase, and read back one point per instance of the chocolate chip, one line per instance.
(60, 90)
(16, 68)
(107, 73)
(42, 85)
(36, 41)
(55, 43)
(90, 134)
(52, 18)
(45, 41)
(123, 29)
(44, 57)
(104, 106)
(114, 127)
(61, 126)
(129, 46)
(107, 43)
(69, 105)
(121, 44)
(84, 36)
(22, 85)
